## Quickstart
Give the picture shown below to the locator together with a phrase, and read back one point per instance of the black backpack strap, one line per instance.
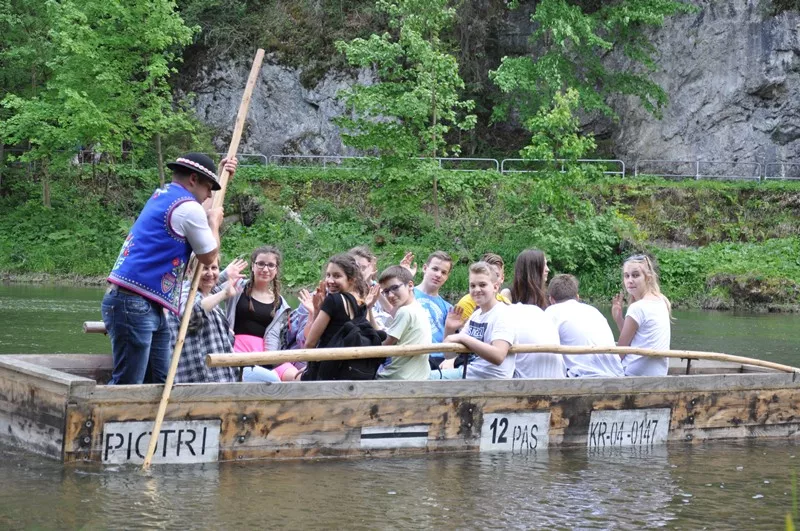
(348, 309)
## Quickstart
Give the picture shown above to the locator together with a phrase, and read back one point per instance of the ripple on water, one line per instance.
(676, 486)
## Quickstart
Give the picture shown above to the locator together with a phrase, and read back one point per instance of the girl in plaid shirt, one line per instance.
(209, 331)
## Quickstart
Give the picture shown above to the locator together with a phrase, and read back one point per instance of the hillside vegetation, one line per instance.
(719, 245)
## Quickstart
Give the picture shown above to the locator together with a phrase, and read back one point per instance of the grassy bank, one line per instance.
(720, 245)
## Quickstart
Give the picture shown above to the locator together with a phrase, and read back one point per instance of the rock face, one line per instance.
(732, 72)
(285, 118)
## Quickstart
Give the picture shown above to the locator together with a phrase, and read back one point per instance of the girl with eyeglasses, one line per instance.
(647, 322)
(259, 314)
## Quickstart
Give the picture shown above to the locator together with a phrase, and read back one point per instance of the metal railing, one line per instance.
(245, 159)
(665, 168)
(454, 162)
(698, 169)
(315, 161)
(782, 170)
(537, 165)
(339, 162)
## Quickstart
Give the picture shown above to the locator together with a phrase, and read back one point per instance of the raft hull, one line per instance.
(70, 417)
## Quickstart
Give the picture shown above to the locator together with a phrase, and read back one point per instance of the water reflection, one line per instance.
(719, 486)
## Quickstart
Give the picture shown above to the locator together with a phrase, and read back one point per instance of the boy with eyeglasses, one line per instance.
(409, 326)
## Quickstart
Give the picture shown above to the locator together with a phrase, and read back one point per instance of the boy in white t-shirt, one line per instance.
(489, 333)
(409, 325)
(581, 325)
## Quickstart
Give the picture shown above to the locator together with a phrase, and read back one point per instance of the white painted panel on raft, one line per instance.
(628, 427)
(395, 436)
(182, 441)
(519, 433)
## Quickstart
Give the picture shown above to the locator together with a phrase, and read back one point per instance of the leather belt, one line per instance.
(113, 287)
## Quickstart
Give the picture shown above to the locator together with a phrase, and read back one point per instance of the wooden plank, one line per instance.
(66, 361)
(80, 435)
(33, 401)
(32, 412)
(435, 389)
(270, 427)
(96, 367)
(16, 367)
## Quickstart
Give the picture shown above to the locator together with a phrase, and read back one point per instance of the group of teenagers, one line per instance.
(355, 305)
(487, 321)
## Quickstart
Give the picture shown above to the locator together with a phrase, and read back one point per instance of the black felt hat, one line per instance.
(197, 163)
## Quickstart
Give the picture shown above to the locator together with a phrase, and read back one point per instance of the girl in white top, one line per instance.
(489, 333)
(532, 326)
(647, 322)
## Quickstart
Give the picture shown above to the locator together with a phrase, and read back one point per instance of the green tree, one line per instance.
(573, 44)
(556, 131)
(24, 51)
(106, 79)
(415, 103)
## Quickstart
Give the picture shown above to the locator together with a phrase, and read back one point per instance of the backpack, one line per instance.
(357, 332)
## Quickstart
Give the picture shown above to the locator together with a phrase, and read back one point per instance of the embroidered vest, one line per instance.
(153, 256)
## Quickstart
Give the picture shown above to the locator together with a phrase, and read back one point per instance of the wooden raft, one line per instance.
(71, 418)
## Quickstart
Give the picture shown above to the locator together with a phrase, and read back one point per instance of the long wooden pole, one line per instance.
(329, 354)
(219, 198)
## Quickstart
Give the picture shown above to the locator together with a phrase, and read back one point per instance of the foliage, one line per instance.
(300, 33)
(580, 220)
(778, 6)
(77, 236)
(689, 274)
(415, 102)
(572, 46)
(556, 131)
(106, 84)
(695, 213)
(25, 47)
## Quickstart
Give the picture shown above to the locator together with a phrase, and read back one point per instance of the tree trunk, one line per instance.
(435, 175)
(45, 189)
(2, 164)
(160, 160)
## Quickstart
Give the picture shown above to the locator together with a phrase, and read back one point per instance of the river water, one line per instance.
(705, 486)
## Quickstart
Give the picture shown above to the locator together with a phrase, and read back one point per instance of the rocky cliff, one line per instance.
(285, 118)
(731, 70)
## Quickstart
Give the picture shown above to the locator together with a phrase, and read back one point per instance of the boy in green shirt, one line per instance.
(409, 326)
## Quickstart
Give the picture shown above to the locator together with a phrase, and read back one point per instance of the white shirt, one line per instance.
(654, 331)
(534, 327)
(495, 325)
(189, 219)
(581, 325)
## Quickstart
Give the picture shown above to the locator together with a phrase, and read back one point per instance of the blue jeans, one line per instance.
(447, 374)
(260, 374)
(140, 340)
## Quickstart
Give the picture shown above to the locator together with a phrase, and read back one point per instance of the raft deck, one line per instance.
(54, 405)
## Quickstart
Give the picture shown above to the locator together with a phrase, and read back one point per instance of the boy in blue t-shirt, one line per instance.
(434, 274)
